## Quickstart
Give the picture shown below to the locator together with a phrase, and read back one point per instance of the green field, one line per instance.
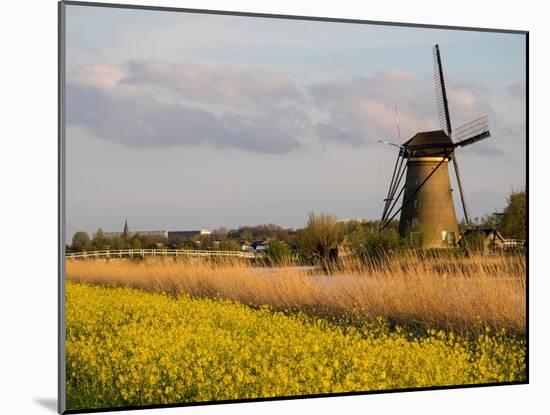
(130, 347)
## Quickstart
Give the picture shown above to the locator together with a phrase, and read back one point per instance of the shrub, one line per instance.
(278, 252)
(365, 242)
(230, 245)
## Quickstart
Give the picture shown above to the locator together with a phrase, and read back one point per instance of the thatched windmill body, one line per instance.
(427, 211)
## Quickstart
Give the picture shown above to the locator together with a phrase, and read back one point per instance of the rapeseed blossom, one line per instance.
(129, 347)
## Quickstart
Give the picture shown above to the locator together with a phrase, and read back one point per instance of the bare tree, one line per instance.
(220, 234)
(321, 236)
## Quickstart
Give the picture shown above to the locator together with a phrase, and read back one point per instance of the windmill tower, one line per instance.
(427, 208)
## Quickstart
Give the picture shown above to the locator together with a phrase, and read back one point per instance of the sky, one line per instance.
(184, 121)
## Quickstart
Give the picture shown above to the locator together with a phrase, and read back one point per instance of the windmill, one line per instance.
(427, 208)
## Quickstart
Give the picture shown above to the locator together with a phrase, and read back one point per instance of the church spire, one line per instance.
(126, 231)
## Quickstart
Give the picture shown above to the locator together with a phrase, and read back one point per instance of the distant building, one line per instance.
(188, 234)
(490, 239)
(245, 246)
(260, 246)
(109, 235)
(127, 234)
(157, 234)
(152, 234)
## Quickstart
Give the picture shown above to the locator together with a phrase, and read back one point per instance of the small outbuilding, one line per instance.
(486, 239)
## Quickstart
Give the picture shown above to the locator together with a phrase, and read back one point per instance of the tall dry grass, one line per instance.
(458, 293)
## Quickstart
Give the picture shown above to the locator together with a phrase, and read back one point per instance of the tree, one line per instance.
(204, 241)
(117, 243)
(365, 241)
(148, 242)
(175, 242)
(320, 237)
(229, 245)
(490, 220)
(81, 242)
(278, 252)
(514, 217)
(220, 234)
(100, 242)
(135, 243)
(189, 244)
(473, 241)
(246, 235)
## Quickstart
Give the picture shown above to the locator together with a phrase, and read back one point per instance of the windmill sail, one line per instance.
(445, 122)
(441, 93)
(465, 135)
(472, 132)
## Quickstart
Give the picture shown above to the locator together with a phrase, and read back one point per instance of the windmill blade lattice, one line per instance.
(445, 123)
(472, 132)
(441, 93)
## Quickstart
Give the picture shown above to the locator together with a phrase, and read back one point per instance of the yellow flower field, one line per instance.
(130, 347)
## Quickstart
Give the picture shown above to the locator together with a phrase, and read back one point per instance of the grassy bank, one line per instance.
(130, 347)
(451, 293)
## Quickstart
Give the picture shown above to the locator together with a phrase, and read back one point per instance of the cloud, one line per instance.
(156, 103)
(469, 101)
(140, 120)
(362, 110)
(220, 85)
(98, 76)
(118, 105)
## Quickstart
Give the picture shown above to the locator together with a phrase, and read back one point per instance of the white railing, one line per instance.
(139, 253)
(511, 243)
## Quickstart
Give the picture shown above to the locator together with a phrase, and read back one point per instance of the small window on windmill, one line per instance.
(417, 182)
(444, 236)
(415, 204)
(414, 221)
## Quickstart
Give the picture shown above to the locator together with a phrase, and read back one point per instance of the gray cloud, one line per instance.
(155, 103)
(219, 85)
(142, 121)
(111, 105)
(360, 111)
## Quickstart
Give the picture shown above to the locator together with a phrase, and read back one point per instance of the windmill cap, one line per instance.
(429, 144)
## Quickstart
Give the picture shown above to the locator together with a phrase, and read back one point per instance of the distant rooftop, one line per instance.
(188, 234)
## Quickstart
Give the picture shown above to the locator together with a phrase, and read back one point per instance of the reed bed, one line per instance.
(412, 289)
